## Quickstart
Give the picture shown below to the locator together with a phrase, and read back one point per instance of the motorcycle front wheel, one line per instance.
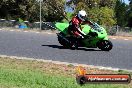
(105, 45)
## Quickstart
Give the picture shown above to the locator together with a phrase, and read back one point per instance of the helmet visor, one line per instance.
(83, 17)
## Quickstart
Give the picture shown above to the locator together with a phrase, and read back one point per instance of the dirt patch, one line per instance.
(121, 37)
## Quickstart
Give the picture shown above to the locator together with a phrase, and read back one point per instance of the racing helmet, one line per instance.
(82, 15)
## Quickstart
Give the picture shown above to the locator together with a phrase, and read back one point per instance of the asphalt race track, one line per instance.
(46, 46)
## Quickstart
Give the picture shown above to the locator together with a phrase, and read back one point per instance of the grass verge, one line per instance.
(16, 73)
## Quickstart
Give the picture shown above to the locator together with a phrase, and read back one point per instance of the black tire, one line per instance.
(105, 45)
(63, 42)
(81, 80)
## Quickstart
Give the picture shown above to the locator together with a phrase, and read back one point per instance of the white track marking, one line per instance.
(18, 30)
(66, 63)
(126, 39)
(49, 33)
(113, 38)
(25, 31)
(11, 30)
(37, 32)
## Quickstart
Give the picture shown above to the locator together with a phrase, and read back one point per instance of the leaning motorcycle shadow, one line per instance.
(80, 48)
(55, 46)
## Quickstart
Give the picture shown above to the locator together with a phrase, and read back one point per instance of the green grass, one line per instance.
(28, 74)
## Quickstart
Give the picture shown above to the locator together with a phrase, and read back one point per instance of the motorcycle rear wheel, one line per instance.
(64, 43)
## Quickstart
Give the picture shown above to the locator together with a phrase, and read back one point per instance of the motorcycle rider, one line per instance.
(75, 24)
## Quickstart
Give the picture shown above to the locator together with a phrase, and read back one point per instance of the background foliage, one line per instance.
(105, 12)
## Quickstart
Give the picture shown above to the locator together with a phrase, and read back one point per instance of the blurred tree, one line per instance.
(129, 14)
(120, 13)
(52, 10)
(104, 15)
(130, 1)
(93, 3)
(56, 10)
(12, 9)
(105, 12)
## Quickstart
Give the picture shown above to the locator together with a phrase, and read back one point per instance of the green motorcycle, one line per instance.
(96, 37)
